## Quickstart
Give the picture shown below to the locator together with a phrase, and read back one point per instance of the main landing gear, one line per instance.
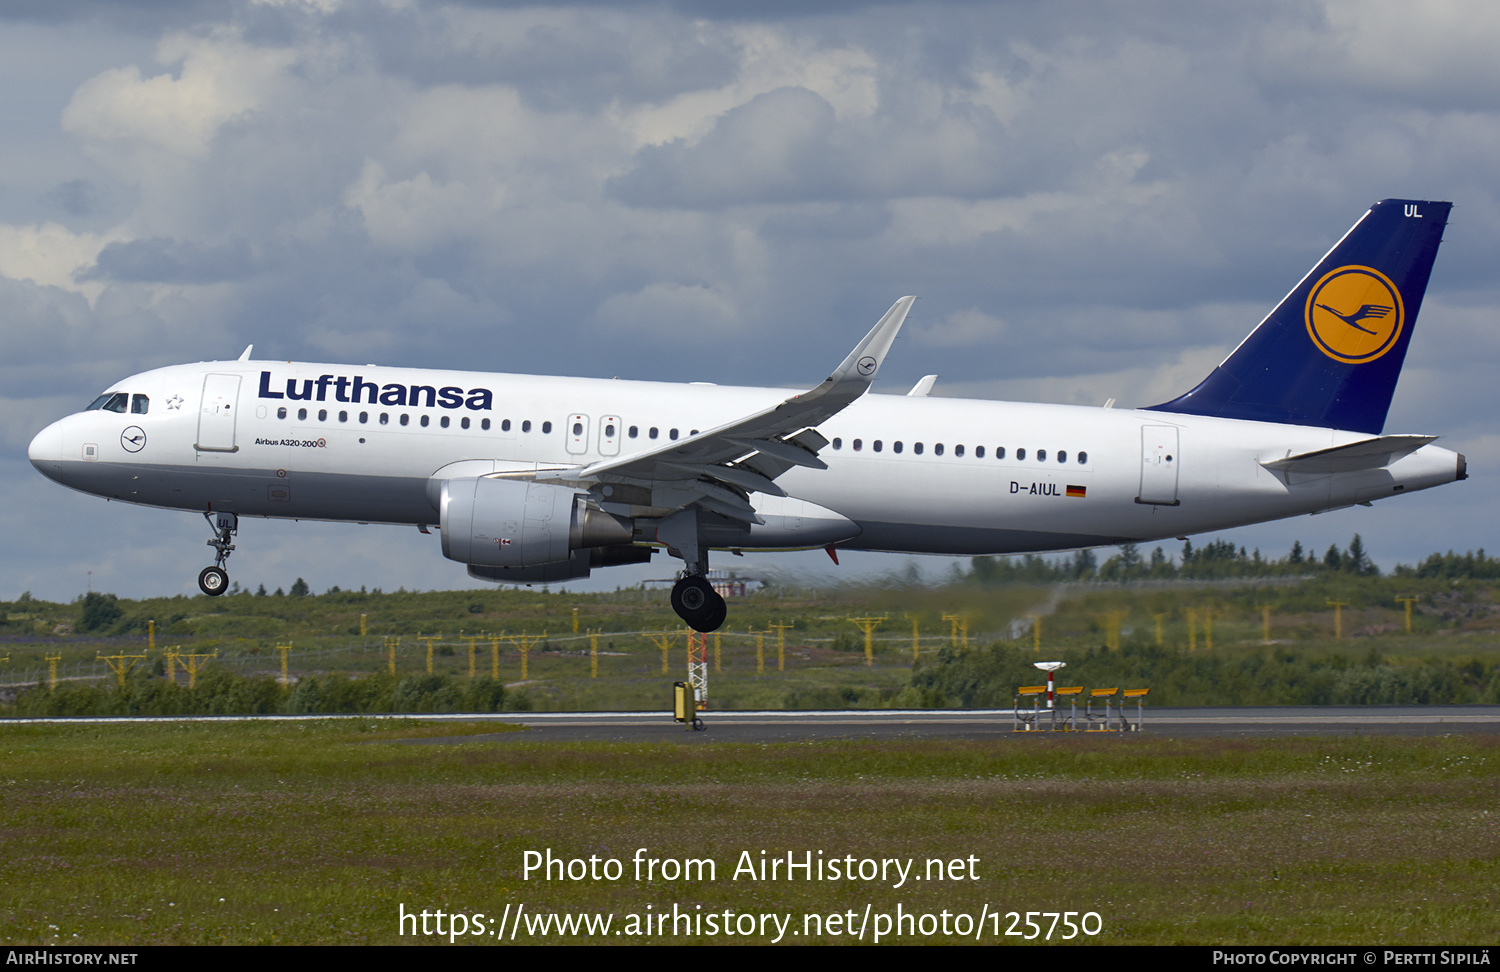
(214, 580)
(697, 603)
(693, 597)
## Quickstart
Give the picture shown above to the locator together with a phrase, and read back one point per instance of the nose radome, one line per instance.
(47, 446)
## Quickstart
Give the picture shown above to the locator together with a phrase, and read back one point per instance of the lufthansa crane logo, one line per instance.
(1355, 314)
(866, 365)
(133, 439)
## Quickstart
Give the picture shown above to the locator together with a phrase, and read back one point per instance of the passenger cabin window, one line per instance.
(1041, 455)
(526, 426)
(979, 452)
(505, 425)
(1020, 453)
(443, 421)
(424, 421)
(896, 447)
(546, 428)
(1083, 457)
(484, 424)
(139, 404)
(302, 415)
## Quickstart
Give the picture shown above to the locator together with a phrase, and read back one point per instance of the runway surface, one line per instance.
(784, 726)
(809, 726)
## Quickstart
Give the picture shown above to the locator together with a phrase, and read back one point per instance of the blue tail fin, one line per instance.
(1330, 353)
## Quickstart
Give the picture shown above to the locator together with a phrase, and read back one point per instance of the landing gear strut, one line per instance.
(697, 603)
(214, 580)
(693, 597)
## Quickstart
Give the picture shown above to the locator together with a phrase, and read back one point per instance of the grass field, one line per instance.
(1451, 654)
(321, 832)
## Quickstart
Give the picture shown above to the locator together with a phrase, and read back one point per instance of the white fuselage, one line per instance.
(918, 474)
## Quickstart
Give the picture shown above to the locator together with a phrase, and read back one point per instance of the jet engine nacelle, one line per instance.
(513, 523)
(577, 567)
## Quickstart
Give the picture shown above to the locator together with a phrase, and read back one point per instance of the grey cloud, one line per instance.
(836, 221)
(53, 343)
(133, 15)
(559, 59)
(172, 261)
(77, 197)
(776, 148)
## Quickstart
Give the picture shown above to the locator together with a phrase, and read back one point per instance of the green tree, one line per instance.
(99, 611)
(1359, 562)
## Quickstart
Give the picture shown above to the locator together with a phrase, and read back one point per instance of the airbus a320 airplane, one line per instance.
(534, 479)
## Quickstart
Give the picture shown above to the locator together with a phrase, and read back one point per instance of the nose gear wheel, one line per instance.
(214, 580)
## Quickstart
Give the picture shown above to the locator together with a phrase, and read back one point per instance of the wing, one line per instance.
(717, 469)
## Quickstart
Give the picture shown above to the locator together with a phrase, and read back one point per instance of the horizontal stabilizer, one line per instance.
(1367, 454)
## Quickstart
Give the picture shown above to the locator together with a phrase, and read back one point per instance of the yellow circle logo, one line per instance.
(1354, 314)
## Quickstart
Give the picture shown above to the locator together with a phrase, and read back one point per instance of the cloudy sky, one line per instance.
(1093, 200)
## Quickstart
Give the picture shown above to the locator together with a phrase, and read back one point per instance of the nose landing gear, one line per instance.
(214, 580)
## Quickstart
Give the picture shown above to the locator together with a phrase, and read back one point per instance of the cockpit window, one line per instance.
(139, 404)
(112, 402)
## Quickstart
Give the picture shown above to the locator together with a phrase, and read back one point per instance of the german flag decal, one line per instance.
(1079, 491)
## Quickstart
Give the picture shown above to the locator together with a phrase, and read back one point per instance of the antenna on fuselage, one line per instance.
(245, 355)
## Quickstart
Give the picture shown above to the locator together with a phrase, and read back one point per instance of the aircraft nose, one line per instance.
(47, 447)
